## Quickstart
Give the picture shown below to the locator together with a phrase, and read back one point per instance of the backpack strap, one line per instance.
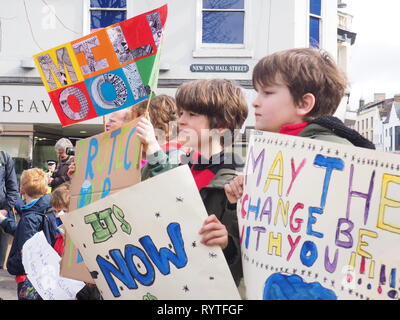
(3, 158)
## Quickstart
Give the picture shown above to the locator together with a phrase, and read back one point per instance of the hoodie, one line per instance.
(329, 128)
(29, 224)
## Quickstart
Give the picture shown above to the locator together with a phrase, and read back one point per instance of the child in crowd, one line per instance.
(208, 111)
(60, 200)
(36, 214)
(163, 114)
(298, 92)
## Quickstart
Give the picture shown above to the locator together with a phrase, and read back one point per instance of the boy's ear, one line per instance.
(306, 105)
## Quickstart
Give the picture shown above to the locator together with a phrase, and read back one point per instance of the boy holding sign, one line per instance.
(209, 110)
(298, 92)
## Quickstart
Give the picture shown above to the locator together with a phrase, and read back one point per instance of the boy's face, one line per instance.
(274, 108)
(193, 129)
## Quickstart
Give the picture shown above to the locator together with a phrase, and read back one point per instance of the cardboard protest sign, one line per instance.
(143, 242)
(319, 220)
(105, 163)
(42, 266)
(108, 70)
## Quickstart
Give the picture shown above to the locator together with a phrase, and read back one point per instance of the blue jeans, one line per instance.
(3, 247)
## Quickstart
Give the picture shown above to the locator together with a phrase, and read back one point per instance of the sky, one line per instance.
(375, 57)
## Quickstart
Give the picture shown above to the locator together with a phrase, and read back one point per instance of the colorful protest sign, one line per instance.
(42, 266)
(143, 242)
(105, 163)
(319, 220)
(108, 70)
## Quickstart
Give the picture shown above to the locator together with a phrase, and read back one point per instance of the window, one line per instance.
(372, 122)
(106, 12)
(397, 138)
(366, 124)
(222, 28)
(315, 23)
(19, 148)
(223, 21)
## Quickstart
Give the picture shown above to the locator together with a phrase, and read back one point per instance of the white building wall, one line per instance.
(389, 141)
(273, 25)
(374, 128)
(17, 41)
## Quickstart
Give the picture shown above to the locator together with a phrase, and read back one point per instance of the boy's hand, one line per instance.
(234, 189)
(214, 232)
(145, 132)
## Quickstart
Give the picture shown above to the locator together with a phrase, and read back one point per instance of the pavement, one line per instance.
(8, 286)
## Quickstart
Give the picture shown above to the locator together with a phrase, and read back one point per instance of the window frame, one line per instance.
(87, 16)
(320, 19)
(223, 49)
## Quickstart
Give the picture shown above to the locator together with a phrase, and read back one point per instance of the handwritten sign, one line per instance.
(143, 242)
(319, 220)
(105, 71)
(42, 266)
(105, 163)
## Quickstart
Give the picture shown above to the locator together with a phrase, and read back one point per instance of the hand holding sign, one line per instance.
(234, 189)
(214, 232)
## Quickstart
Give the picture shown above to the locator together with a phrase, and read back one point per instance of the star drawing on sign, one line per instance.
(185, 288)
(179, 199)
(212, 255)
(157, 214)
(194, 244)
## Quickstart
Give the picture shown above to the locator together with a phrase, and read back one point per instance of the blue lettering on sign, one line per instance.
(106, 188)
(92, 153)
(113, 135)
(309, 253)
(330, 164)
(127, 165)
(125, 270)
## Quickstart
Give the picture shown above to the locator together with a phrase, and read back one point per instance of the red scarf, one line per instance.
(293, 129)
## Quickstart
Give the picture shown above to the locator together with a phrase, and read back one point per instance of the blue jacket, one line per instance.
(30, 223)
(8, 182)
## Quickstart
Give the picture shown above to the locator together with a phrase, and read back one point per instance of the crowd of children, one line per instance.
(298, 91)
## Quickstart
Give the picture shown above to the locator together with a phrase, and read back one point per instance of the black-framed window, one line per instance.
(315, 23)
(104, 13)
(397, 138)
(223, 21)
